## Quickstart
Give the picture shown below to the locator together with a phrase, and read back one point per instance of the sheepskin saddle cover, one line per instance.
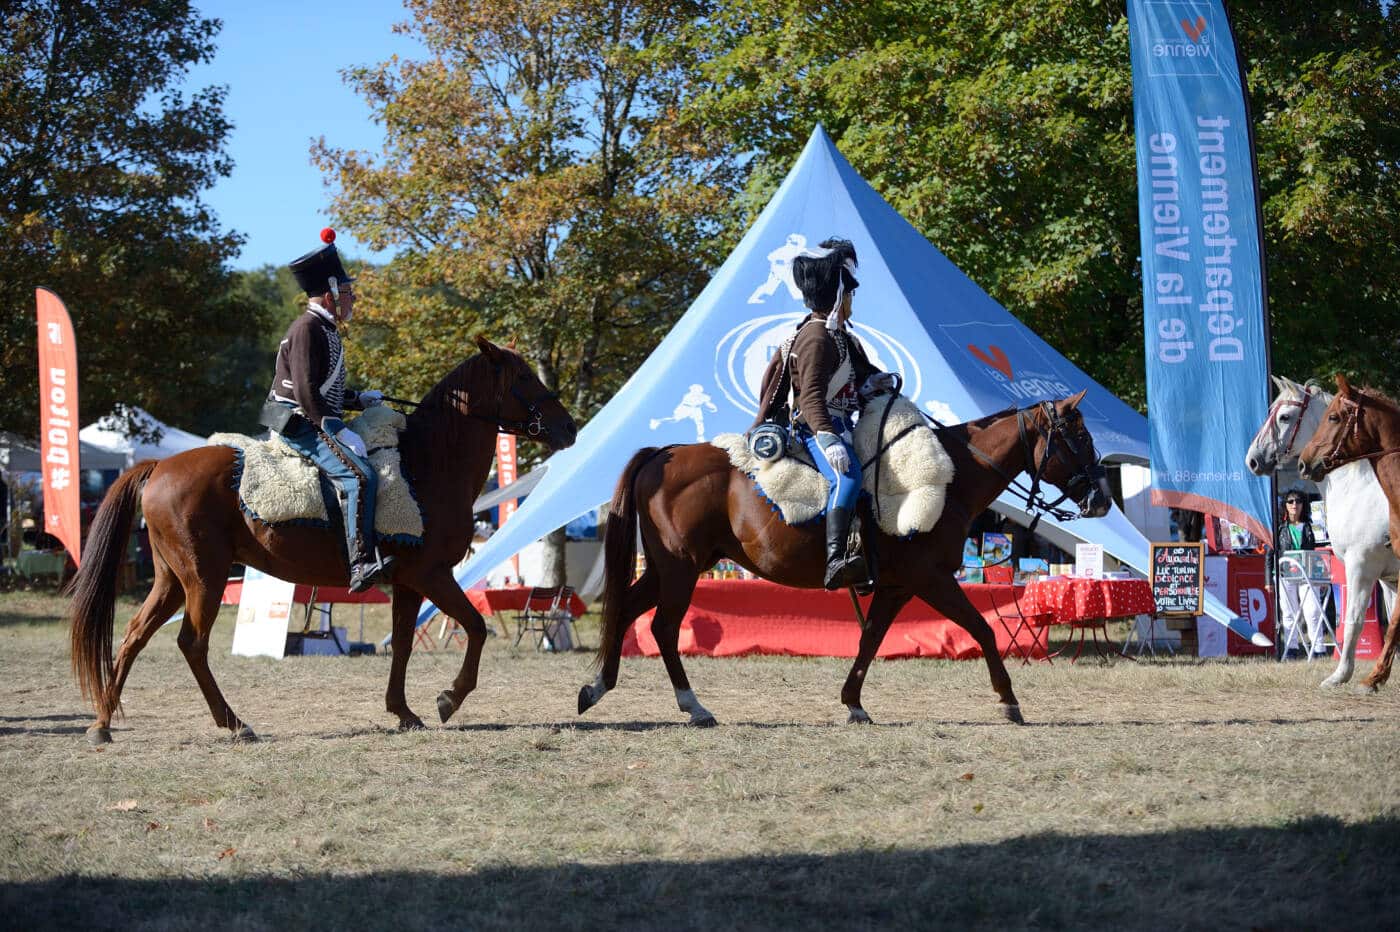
(914, 472)
(278, 486)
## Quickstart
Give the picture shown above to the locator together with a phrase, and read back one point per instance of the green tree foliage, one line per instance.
(1004, 133)
(102, 163)
(536, 189)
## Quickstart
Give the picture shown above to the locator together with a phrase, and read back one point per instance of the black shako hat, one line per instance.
(825, 273)
(315, 270)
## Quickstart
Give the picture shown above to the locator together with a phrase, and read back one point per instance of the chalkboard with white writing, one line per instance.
(1178, 578)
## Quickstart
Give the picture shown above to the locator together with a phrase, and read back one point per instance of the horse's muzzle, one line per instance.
(1312, 470)
(1098, 502)
(561, 436)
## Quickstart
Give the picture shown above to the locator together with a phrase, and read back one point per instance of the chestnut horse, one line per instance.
(694, 508)
(198, 531)
(1362, 424)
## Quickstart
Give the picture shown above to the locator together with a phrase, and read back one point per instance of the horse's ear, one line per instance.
(1074, 400)
(488, 349)
(1343, 385)
(1278, 382)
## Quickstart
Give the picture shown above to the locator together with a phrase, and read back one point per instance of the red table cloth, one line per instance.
(512, 598)
(733, 617)
(1070, 599)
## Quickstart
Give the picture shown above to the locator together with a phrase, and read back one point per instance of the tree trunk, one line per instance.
(552, 560)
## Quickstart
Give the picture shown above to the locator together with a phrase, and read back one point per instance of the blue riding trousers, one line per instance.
(357, 482)
(844, 486)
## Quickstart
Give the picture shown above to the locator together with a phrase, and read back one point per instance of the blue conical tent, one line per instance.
(961, 354)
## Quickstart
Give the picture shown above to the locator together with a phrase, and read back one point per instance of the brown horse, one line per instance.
(1362, 424)
(694, 508)
(198, 531)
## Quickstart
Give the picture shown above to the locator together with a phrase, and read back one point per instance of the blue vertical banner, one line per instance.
(1202, 271)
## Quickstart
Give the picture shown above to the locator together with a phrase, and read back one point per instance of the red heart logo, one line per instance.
(997, 359)
(1194, 30)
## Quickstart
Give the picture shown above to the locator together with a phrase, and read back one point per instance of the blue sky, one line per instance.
(282, 63)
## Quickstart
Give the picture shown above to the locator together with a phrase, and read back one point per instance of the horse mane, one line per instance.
(1375, 394)
(437, 417)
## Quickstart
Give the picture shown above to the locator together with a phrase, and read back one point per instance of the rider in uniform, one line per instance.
(823, 375)
(309, 395)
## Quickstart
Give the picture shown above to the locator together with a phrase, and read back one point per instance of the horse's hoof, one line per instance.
(1013, 714)
(585, 699)
(859, 717)
(445, 706)
(1365, 689)
(98, 736)
(1331, 685)
(244, 735)
(707, 722)
(412, 723)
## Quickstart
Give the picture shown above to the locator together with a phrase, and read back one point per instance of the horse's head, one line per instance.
(1351, 430)
(1063, 453)
(524, 407)
(1293, 417)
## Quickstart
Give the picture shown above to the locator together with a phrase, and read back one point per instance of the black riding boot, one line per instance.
(367, 564)
(841, 571)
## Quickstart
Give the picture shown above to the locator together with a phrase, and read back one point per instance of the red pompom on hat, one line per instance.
(328, 235)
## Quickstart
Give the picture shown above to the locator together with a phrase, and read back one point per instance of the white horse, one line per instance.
(1358, 515)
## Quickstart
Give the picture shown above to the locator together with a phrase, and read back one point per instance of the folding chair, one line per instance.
(547, 616)
(1035, 624)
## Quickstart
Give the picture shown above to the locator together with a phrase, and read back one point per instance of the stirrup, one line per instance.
(363, 575)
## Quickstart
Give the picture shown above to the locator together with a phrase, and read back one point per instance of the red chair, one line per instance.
(1036, 625)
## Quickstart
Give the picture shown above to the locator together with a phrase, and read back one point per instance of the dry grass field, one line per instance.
(1165, 794)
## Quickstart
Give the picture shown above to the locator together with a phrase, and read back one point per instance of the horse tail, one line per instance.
(94, 587)
(620, 558)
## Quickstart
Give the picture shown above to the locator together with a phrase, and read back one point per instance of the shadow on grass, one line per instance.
(1285, 877)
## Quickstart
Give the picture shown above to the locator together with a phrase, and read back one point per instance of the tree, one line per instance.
(1004, 133)
(537, 188)
(102, 162)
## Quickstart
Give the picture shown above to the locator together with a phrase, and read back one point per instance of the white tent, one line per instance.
(18, 456)
(108, 434)
(961, 354)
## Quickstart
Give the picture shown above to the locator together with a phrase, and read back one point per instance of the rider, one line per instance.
(830, 376)
(308, 396)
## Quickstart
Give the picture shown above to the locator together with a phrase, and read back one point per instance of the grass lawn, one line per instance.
(1161, 794)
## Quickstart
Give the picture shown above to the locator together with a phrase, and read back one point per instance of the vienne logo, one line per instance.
(742, 355)
(1180, 40)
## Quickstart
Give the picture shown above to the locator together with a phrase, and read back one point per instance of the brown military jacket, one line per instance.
(310, 369)
(816, 361)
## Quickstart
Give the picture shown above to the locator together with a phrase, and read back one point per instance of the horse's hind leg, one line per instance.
(201, 611)
(883, 608)
(943, 593)
(641, 596)
(165, 597)
(677, 584)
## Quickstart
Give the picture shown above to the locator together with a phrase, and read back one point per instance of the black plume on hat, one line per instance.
(314, 270)
(819, 277)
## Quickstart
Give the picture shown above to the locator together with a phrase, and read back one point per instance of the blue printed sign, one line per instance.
(1203, 290)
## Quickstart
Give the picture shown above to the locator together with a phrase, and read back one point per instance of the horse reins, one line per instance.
(1278, 406)
(531, 426)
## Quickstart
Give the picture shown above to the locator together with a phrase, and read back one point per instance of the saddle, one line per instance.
(277, 486)
(912, 473)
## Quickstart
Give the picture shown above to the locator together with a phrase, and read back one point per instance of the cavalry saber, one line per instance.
(401, 401)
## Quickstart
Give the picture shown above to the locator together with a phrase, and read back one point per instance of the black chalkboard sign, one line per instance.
(1178, 578)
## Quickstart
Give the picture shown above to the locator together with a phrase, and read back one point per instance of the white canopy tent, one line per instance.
(109, 434)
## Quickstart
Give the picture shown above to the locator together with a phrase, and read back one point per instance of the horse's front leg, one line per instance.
(943, 593)
(405, 614)
(883, 608)
(1361, 579)
(452, 601)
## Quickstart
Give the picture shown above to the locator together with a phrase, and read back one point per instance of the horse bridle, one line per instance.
(531, 426)
(1333, 459)
(1278, 405)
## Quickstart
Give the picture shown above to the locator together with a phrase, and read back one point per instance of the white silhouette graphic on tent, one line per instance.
(689, 410)
(780, 270)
